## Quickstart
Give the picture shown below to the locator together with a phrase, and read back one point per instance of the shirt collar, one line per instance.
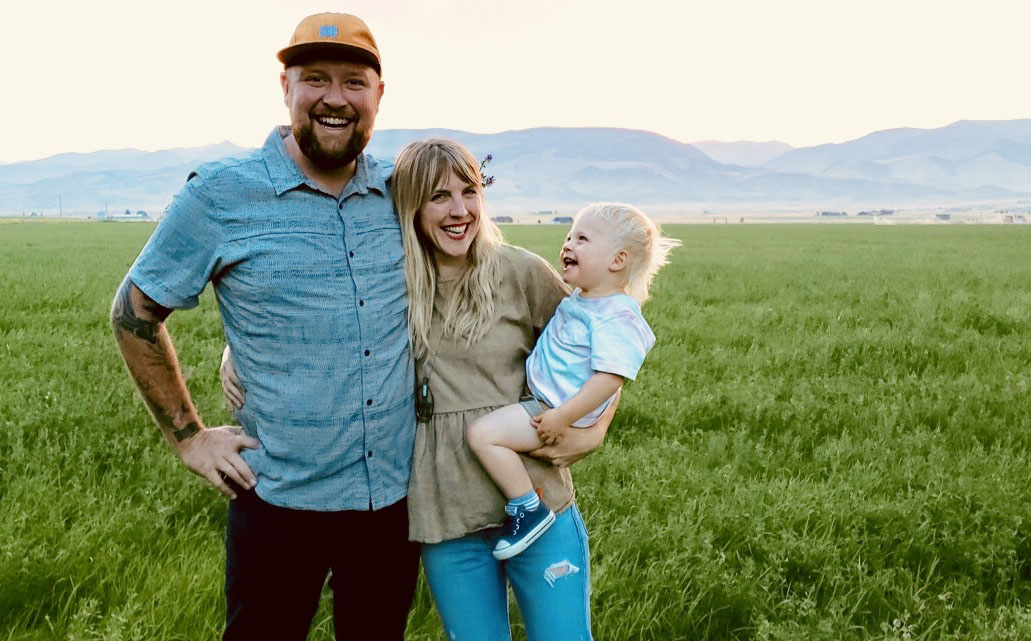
(373, 173)
(366, 176)
(286, 175)
(283, 172)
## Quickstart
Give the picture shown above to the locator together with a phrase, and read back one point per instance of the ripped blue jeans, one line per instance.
(551, 582)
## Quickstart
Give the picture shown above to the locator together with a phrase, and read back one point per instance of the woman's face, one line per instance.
(450, 220)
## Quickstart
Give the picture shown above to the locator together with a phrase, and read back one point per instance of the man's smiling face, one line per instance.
(333, 106)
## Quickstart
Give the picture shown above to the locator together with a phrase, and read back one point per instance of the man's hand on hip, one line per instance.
(138, 324)
(214, 452)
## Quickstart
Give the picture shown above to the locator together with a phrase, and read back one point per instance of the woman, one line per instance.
(476, 306)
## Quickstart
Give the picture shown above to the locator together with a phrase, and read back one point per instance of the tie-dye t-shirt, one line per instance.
(588, 335)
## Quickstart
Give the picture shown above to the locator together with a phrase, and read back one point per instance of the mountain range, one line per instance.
(560, 169)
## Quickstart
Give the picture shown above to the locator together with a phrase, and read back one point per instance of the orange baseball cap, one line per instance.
(333, 35)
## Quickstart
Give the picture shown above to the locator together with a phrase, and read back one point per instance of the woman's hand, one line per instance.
(232, 389)
(578, 442)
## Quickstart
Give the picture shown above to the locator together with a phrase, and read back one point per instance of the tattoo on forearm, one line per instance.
(167, 421)
(186, 432)
(124, 316)
(155, 368)
(153, 365)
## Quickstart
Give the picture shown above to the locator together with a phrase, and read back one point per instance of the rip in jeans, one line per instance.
(558, 570)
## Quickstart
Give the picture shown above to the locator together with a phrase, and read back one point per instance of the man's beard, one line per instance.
(326, 159)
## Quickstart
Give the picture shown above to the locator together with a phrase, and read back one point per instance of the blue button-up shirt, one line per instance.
(312, 294)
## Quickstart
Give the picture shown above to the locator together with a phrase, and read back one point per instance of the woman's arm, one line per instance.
(554, 424)
(579, 442)
(232, 389)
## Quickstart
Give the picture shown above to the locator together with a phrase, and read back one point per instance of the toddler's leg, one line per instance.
(495, 438)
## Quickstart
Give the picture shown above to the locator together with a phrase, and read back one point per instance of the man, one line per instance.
(302, 247)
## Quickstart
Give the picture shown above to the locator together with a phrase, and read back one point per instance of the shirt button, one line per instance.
(368, 402)
(369, 454)
(361, 303)
(367, 352)
(351, 254)
(340, 206)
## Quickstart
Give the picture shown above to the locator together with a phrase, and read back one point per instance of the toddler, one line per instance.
(596, 340)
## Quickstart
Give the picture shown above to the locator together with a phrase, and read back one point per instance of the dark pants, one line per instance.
(277, 560)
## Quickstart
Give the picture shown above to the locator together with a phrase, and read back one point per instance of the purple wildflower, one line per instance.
(487, 181)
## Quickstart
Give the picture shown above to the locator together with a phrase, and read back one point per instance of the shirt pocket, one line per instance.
(285, 278)
(289, 256)
(571, 332)
(377, 244)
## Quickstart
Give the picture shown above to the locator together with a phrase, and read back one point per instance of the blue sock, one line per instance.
(530, 501)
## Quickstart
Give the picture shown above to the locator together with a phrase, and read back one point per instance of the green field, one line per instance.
(831, 440)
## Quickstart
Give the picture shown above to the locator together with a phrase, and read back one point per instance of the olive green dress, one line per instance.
(449, 494)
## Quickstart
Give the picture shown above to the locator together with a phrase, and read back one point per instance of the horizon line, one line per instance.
(504, 131)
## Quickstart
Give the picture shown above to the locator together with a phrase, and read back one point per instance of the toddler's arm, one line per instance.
(578, 443)
(554, 422)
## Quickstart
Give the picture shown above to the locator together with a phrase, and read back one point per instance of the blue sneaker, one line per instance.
(521, 528)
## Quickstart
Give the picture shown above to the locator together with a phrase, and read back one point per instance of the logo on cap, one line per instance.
(328, 31)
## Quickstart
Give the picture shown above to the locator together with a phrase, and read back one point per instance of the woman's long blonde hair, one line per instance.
(420, 170)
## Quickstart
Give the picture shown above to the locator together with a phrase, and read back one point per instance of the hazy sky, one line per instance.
(110, 74)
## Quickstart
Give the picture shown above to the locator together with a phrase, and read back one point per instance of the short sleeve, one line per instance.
(619, 343)
(182, 253)
(544, 290)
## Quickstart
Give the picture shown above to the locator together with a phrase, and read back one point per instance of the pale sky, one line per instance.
(111, 74)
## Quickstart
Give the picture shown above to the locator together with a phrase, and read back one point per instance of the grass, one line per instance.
(830, 441)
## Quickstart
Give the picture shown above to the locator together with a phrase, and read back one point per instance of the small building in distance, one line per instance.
(127, 215)
(832, 213)
(562, 220)
(502, 219)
